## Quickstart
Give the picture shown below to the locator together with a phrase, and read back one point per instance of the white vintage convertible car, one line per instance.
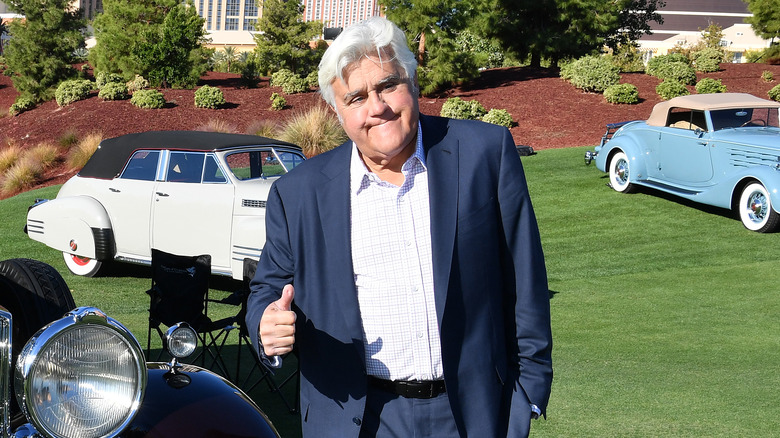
(183, 192)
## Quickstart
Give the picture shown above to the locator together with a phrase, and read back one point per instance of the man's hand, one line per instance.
(277, 326)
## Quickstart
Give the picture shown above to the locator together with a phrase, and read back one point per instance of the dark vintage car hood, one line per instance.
(762, 137)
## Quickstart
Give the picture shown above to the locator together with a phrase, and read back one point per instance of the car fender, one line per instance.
(630, 147)
(196, 403)
(70, 224)
(768, 176)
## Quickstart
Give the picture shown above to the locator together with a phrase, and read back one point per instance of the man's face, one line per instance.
(378, 111)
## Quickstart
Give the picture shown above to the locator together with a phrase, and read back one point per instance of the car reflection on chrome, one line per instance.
(183, 192)
(716, 149)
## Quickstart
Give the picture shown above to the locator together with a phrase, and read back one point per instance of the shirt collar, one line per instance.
(359, 174)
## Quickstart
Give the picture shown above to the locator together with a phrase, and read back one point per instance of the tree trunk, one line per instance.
(421, 49)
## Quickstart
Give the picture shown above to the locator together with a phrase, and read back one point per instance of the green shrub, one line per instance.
(20, 105)
(457, 108)
(290, 82)
(710, 85)
(498, 117)
(657, 61)
(591, 73)
(670, 88)
(102, 78)
(209, 97)
(767, 76)
(72, 90)
(774, 93)
(114, 91)
(621, 93)
(707, 59)
(148, 99)
(677, 71)
(312, 79)
(138, 83)
(278, 102)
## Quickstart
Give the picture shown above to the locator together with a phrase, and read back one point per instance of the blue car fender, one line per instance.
(632, 150)
(769, 177)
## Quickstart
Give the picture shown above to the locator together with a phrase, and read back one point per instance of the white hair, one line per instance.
(375, 37)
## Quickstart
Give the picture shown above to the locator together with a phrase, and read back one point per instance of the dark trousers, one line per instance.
(391, 416)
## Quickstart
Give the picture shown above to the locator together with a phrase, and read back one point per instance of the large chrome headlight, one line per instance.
(81, 377)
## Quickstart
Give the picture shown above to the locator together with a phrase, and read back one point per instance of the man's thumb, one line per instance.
(285, 302)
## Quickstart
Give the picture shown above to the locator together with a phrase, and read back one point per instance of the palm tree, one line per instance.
(230, 56)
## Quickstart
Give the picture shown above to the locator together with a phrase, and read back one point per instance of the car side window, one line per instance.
(290, 160)
(186, 167)
(141, 166)
(212, 173)
(683, 118)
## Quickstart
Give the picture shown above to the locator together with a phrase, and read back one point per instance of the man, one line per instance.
(405, 266)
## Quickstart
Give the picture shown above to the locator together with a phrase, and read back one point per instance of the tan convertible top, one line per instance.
(705, 102)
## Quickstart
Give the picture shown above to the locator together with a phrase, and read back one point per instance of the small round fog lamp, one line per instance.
(181, 340)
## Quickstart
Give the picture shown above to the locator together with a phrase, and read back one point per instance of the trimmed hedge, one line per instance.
(591, 73)
(457, 108)
(670, 88)
(114, 91)
(622, 93)
(209, 97)
(72, 91)
(774, 93)
(152, 99)
(709, 86)
(21, 105)
(707, 60)
(655, 63)
(278, 102)
(498, 117)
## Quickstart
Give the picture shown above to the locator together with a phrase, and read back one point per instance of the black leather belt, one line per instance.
(409, 389)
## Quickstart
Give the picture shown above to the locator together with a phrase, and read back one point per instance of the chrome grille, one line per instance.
(252, 203)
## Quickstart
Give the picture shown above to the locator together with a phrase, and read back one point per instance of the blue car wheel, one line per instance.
(755, 209)
(620, 172)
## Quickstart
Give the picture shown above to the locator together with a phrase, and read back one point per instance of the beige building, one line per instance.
(684, 21)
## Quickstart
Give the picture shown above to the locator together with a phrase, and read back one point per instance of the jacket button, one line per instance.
(357, 421)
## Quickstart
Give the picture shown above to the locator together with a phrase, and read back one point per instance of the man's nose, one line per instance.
(376, 102)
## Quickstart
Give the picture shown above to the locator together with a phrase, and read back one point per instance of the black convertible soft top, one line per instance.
(112, 154)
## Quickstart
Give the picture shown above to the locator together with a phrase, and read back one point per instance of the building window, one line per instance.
(231, 23)
(250, 8)
(232, 9)
(249, 23)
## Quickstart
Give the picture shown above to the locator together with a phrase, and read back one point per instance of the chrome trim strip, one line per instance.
(6, 355)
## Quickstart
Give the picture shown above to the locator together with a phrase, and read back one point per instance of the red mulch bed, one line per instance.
(549, 112)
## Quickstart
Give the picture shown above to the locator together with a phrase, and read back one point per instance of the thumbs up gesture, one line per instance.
(277, 325)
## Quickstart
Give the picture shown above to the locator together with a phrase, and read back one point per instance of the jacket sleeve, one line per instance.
(524, 264)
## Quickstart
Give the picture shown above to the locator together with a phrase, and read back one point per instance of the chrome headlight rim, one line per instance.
(79, 318)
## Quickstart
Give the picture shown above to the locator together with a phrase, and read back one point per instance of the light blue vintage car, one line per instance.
(716, 149)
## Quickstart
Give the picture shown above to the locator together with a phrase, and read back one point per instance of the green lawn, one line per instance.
(665, 314)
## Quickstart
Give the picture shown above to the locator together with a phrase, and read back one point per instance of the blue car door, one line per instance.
(684, 156)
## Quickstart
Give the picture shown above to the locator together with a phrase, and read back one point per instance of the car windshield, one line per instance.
(744, 117)
(261, 164)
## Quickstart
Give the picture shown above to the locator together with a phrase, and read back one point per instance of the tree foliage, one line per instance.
(558, 29)
(766, 18)
(283, 38)
(160, 40)
(119, 28)
(42, 46)
(432, 28)
(172, 55)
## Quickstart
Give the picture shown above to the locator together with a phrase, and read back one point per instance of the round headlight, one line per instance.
(181, 340)
(82, 376)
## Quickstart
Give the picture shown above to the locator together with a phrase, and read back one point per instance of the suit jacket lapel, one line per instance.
(334, 210)
(442, 160)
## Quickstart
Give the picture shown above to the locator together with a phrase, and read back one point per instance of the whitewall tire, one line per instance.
(83, 266)
(620, 172)
(755, 209)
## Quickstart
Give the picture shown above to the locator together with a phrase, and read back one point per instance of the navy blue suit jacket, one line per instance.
(490, 283)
